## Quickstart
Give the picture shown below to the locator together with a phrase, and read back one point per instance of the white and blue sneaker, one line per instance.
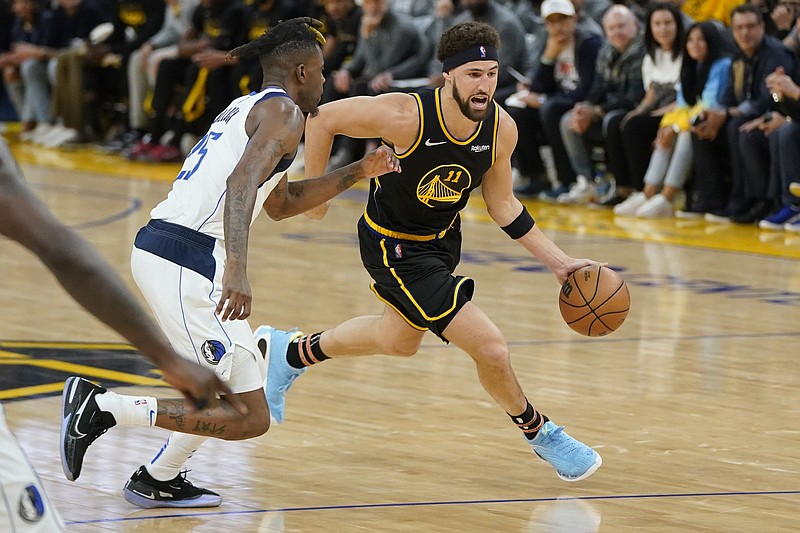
(273, 343)
(572, 459)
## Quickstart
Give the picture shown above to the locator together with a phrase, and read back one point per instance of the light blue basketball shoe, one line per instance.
(572, 459)
(273, 343)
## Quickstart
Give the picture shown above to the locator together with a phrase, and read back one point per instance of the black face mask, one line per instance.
(479, 10)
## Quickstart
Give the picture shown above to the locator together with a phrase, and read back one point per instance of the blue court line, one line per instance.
(134, 204)
(464, 502)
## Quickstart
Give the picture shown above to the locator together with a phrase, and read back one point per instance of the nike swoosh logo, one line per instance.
(148, 496)
(74, 429)
(429, 143)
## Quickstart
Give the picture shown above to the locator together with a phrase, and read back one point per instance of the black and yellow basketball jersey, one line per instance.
(439, 171)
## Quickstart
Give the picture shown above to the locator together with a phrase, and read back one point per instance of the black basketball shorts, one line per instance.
(416, 278)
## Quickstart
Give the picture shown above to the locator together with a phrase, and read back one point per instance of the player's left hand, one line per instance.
(236, 298)
(570, 266)
(379, 162)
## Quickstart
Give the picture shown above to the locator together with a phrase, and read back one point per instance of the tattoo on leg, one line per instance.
(212, 428)
(174, 410)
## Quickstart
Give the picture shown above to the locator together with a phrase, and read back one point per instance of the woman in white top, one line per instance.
(661, 72)
(704, 78)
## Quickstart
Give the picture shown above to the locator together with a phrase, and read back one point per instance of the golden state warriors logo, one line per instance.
(444, 184)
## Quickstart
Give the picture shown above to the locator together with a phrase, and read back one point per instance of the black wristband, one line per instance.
(521, 225)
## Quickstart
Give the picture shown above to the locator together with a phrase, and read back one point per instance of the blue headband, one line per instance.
(481, 52)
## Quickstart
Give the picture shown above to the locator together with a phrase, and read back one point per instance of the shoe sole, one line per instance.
(592, 469)
(69, 387)
(146, 503)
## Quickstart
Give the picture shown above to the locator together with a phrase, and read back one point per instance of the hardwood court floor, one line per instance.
(693, 403)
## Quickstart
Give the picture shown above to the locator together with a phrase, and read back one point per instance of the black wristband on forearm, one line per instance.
(521, 225)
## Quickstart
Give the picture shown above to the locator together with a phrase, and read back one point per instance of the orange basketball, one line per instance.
(594, 301)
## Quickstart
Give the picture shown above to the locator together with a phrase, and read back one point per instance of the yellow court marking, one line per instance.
(88, 160)
(86, 371)
(67, 345)
(23, 392)
(11, 355)
(686, 232)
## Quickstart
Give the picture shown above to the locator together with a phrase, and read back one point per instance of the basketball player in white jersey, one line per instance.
(190, 264)
(24, 506)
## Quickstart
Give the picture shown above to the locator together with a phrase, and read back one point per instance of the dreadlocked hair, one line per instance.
(283, 40)
(463, 36)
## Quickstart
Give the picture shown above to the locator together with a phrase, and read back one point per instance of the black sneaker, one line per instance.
(122, 141)
(81, 424)
(759, 210)
(144, 491)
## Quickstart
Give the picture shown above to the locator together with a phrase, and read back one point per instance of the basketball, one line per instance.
(594, 301)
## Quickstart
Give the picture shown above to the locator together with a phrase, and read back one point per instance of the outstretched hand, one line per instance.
(200, 386)
(379, 162)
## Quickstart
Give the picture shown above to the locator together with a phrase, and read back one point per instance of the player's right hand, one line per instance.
(236, 298)
(379, 162)
(200, 386)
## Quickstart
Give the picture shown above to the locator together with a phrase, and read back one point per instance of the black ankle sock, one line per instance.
(530, 422)
(305, 351)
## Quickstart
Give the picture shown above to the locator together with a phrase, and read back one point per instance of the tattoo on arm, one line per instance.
(240, 198)
(341, 179)
(347, 177)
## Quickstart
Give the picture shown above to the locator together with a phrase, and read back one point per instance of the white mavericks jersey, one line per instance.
(197, 199)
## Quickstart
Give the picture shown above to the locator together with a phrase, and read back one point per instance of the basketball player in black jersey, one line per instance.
(449, 141)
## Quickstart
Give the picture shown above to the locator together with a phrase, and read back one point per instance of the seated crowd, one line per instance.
(653, 109)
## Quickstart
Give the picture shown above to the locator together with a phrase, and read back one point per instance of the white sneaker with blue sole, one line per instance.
(572, 459)
(273, 343)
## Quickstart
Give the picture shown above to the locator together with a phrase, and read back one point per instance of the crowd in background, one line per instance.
(652, 109)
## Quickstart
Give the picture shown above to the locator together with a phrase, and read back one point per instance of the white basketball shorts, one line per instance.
(179, 272)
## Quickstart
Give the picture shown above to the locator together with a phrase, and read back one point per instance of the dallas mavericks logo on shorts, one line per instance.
(213, 351)
(31, 504)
